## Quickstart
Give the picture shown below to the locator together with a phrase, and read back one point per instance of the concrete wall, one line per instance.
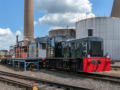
(105, 27)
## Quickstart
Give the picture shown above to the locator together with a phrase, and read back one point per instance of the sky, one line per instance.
(48, 14)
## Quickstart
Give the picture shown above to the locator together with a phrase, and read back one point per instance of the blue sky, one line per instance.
(102, 7)
(12, 14)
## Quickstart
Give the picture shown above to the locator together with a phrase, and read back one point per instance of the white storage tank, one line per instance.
(107, 28)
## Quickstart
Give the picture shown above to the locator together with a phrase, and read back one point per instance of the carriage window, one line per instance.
(25, 49)
(43, 46)
(90, 32)
(96, 46)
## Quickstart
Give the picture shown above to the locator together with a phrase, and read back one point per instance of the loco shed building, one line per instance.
(107, 28)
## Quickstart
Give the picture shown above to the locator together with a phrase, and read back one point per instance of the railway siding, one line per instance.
(46, 82)
(65, 78)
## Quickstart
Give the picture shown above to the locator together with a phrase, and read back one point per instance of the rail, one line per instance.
(50, 83)
(94, 76)
(101, 77)
(20, 84)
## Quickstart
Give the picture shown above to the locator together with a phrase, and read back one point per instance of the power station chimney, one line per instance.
(116, 9)
(28, 21)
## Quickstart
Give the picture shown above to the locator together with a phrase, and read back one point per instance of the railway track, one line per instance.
(94, 76)
(43, 84)
(16, 83)
(115, 67)
(101, 77)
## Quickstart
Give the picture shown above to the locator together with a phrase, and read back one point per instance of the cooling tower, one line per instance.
(116, 9)
(28, 20)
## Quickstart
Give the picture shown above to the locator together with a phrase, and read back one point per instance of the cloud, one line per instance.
(67, 19)
(63, 6)
(8, 38)
(35, 23)
(63, 12)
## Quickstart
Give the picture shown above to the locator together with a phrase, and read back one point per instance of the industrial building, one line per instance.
(107, 28)
(4, 54)
(38, 47)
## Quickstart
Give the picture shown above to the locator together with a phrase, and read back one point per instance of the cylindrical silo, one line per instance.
(62, 32)
(107, 28)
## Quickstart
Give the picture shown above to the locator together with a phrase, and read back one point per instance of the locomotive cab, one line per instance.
(80, 48)
(95, 47)
(96, 62)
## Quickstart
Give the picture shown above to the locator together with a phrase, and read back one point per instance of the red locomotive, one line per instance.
(78, 55)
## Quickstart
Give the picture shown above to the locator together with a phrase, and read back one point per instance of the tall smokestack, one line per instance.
(17, 40)
(116, 9)
(28, 20)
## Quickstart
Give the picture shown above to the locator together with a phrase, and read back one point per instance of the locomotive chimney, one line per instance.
(116, 9)
(28, 21)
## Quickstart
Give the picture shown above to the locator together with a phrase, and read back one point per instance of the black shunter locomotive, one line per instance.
(84, 55)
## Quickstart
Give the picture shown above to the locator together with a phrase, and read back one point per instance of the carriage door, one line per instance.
(84, 49)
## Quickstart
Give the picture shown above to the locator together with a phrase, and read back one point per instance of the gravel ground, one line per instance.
(65, 78)
(43, 87)
(112, 73)
(4, 86)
